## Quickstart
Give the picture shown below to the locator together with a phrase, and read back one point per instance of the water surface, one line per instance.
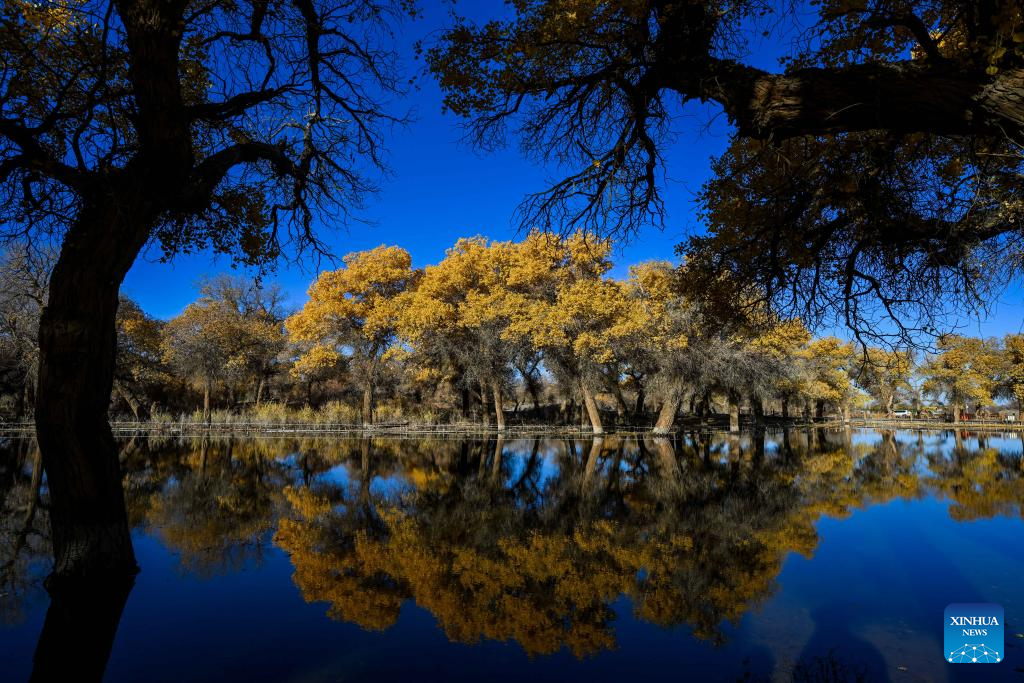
(807, 555)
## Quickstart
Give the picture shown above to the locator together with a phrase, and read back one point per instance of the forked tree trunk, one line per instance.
(77, 344)
(592, 411)
(499, 406)
(666, 416)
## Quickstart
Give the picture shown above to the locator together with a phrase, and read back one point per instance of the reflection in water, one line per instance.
(530, 541)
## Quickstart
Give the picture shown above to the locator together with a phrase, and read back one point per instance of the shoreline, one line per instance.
(410, 429)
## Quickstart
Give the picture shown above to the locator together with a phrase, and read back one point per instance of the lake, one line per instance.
(796, 555)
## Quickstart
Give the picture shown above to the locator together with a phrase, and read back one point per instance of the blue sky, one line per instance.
(439, 190)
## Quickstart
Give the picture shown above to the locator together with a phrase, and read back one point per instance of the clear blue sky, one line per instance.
(440, 190)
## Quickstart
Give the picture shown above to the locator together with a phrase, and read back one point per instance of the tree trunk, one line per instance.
(641, 399)
(259, 390)
(206, 400)
(785, 408)
(819, 410)
(734, 413)
(485, 408)
(956, 412)
(888, 405)
(466, 399)
(499, 406)
(592, 411)
(367, 405)
(666, 416)
(757, 409)
(77, 345)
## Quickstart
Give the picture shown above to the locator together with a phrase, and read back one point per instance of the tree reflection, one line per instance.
(531, 541)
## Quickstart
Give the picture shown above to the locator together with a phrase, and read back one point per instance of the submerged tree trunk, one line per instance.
(77, 345)
(592, 411)
(667, 416)
(499, 406)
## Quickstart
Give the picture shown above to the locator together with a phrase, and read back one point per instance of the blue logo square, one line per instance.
(973, 633)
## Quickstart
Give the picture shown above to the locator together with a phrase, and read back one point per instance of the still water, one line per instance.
(804, 555)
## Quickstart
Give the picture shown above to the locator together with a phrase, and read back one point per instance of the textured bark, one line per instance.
(499, 406)
(956, 412)
(77, 344)
(666, 416)
(734, 414)
(592, 411)
(757, 409)
(206, 400)
(903, 97)
(785, 408)
(259, 390)
(367, 411)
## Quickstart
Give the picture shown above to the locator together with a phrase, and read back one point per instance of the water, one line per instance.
(806, 555)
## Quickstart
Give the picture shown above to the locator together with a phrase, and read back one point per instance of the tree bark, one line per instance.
(956, 412)
(499, 406)
(666, 416)
(757, 409)
(206, 400)
(908, 97)
(734, 413)
(259, 390)
(77, 346)
(485, 408)
(367, 405)
(785, 408)
(592, 411)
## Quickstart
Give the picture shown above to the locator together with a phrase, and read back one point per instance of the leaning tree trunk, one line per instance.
(499, 406)
(666, 416)
(956, 412)
(592, 411)
(77, 345)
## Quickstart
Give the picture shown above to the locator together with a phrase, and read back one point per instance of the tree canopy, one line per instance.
(873, 179)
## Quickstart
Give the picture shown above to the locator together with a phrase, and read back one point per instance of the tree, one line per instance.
(826, 369)
(875, 178)
(572, 313)
(458, 315)
(229, 126)
(24, 271)
(1013, 345)
(352, 312)
(964, 371)
(884, 374)
(201, 343)
(260, 317)
(139, 367)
